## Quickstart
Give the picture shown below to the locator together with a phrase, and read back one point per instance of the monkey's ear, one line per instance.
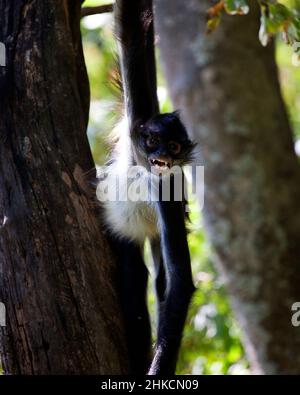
(138, 128)
(177, 113)
(138, 124)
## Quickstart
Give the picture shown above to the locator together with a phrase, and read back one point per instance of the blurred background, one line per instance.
(212, 339)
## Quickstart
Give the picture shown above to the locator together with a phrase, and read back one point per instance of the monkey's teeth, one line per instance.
(159, 164)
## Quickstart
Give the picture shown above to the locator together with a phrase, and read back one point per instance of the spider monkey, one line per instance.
(150, 139)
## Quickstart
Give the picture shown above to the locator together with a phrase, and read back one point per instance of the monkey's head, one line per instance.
(163, 142)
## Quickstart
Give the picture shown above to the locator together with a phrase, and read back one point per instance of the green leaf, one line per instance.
(213, 23)
(264, 35)
(278, 17)
(236, 7)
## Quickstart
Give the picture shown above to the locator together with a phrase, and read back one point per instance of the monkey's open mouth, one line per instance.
(160, 164)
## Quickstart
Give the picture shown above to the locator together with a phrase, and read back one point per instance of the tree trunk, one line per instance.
(56, 271)
(227, 86)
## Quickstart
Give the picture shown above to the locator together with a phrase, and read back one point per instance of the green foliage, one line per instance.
(276, 17)
(100, 54)
(278, 20)
(211, 343)
(232, 7)
(290, 84)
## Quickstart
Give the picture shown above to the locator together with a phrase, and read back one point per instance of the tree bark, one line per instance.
(227, 86)
(56, 270)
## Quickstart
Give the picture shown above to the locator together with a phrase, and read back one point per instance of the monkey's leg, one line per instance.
(160, 275)
(179, 287)
(133, 276)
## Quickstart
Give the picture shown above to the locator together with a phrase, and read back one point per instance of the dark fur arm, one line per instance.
(179, 287)
(135, 32)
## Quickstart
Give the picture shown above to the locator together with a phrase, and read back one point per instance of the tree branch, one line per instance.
(101, 9)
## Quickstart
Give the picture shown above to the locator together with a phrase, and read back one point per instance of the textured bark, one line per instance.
(227, 86)
(56, 272)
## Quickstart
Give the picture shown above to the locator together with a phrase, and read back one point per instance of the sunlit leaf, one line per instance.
(213, 23)
(264, 35)
(296, 59)
(236, 7)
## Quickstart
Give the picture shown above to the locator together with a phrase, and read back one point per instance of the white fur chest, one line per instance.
(133, 220)
(125, 217)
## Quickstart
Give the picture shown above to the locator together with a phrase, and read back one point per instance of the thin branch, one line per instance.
(101, 9)
(216, 9)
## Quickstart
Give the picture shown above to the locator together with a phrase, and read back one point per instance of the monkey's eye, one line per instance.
(152, 142)
(174, 147)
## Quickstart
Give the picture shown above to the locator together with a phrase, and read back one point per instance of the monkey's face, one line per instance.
(163, 143)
